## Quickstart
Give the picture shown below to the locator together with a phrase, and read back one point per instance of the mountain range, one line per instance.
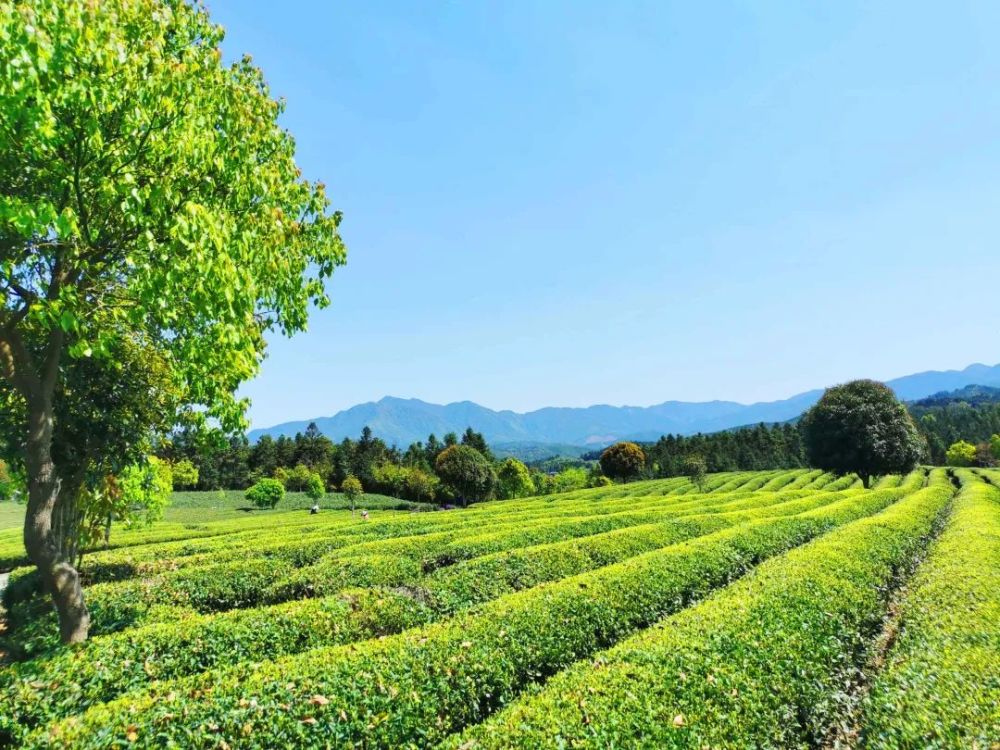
(402, 421)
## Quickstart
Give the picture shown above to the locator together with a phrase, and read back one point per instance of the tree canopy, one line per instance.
(861, 427)
(696, 470)
(466, 472)
(514, 479)
(623, 461)
(961, 453)
(153, 227)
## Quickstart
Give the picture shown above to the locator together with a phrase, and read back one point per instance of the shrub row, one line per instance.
(416, 687)
(214, 588)
(471, 546)
(940, 687)
(195, 644)
(308, 535)
(760, 664)
(34, 693)
(805, 480)
(781, 481)
(491, 576)
(49, 694)
(288, 570)
(12, 550)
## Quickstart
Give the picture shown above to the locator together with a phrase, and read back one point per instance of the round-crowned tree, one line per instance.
(467, 472)
(960, 453)
(623, 461)
(315, 489)
(267, 493)
(514, 479)
(184, 475)
(861, 427)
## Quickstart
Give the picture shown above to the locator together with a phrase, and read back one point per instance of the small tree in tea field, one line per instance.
(696, 470)
(961, 453)
(267, 493)
(315, 489)
(352, 489)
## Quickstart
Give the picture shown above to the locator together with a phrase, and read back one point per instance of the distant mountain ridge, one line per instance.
(974, 395)
(402, 421)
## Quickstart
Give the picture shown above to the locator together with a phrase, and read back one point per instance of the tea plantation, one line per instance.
(778, 609)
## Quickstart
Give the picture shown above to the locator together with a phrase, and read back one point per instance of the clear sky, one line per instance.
(567, 203)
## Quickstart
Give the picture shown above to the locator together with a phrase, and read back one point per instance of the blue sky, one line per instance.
(567, 203)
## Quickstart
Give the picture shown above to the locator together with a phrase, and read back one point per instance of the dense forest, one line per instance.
(414, 473)
(971, 415)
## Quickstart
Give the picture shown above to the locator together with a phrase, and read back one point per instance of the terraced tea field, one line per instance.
(770, 609)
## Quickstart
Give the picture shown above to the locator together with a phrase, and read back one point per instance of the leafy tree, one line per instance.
(296, 480)
(995, 446)
(137, 497)
(467, 472)
(420, 485)
(599, 480)
(149, 199)
(267, 493)
(432, 449)
(367, 455)
(696, 470)
(567, 480)
(861, 427)
(476, 440)
(185, 474)
(352, 489)
(264, 456)
(984, 456)
(961, 453)
(514, 479)
(623, 461)
(313, 448)
(315, 489)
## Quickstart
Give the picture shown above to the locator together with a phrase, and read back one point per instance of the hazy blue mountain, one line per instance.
(974, 395)
(401, 421)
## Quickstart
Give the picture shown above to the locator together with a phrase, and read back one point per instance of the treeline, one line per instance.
(945, 424)
(957, 433)
(416, 473)
(744, 449)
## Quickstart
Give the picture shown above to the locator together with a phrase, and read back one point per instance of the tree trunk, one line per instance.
(51, 528)
(866, 479)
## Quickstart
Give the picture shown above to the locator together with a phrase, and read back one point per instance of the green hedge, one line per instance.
(276, 573)
(491, 576)
(762, 663)
(417, 687)
(38, 692)
(940, 687)
(218, 588)
(234, 636)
